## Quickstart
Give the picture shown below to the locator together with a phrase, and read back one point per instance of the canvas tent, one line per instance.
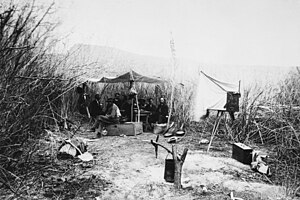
(131, 76)
(211, 94)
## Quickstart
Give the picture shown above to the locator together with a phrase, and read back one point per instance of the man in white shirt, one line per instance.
(112, 116)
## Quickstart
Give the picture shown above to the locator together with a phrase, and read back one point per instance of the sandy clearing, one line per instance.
(130, 164)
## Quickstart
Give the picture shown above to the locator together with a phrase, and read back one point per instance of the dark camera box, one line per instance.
(242, 153)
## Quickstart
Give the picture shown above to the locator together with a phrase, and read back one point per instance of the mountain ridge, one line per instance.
(111, 61)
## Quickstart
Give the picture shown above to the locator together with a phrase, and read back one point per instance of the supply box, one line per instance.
(242, 153)
(128, 128)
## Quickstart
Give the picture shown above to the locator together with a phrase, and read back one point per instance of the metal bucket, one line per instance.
(169, 170)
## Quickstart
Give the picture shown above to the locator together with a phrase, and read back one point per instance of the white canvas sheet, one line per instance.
(210, 94)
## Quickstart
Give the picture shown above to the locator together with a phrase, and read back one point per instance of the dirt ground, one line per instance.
(129, 164)
(126, 168)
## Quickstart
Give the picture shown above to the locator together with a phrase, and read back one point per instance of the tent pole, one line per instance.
(172, 46)
(138, 107)
(171, 106)
(131, 116)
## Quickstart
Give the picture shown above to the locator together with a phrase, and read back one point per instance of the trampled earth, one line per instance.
(130, 165)
(126, 168)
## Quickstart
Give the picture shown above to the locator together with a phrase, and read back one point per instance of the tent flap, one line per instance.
(210, 94)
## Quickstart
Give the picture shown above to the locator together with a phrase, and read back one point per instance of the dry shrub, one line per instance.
(30, 90)
(271, 116)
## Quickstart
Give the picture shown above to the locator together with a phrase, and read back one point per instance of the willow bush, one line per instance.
(30, 90)
(270, 117)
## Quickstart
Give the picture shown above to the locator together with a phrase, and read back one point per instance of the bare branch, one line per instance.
(41, 78)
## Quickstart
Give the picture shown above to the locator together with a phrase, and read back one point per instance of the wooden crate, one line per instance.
(242, 153)
(128, 128)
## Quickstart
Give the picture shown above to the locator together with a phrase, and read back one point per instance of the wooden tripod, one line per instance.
(216, 126)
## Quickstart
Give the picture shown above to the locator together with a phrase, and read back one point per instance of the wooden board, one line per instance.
(128, 128)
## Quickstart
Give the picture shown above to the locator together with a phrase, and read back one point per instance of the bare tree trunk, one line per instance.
(178, 161)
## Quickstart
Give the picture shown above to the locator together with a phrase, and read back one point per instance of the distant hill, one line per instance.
(111, 61)
(98, 61)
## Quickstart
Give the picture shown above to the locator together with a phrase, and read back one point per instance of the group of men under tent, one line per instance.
(112, 113)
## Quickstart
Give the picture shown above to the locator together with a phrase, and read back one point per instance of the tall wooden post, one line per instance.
(172, 46)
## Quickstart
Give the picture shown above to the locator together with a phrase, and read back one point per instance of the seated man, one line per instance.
(152, 108)
(142, 104)
(162, 111)
(118, 100)
(82, 101)
(95, 107)
(126, 108)
(112, 116)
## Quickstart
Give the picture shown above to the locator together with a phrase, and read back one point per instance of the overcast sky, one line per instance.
(252, 32)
